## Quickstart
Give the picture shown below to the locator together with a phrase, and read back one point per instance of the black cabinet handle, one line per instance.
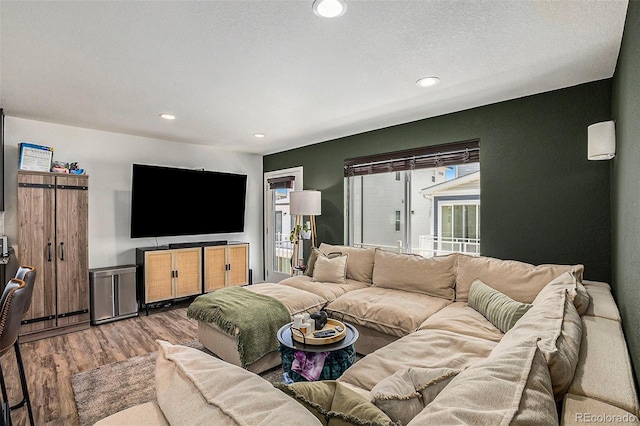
(61, 251)
(49, 252)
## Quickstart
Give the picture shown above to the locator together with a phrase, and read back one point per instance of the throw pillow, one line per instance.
(194, 388)
(314, 396)
(518, 280)
(555, 321)
(334, 404)
(360, 267)
(331, 270)
(433, 276)
(404, 394)
(315, 253)
(569, 282)
(501, 310)
(350, 408)
(510, 387)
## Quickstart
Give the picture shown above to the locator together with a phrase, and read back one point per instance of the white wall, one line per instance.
(108, 157)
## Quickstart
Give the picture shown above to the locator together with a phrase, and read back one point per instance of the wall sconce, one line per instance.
(602, 141)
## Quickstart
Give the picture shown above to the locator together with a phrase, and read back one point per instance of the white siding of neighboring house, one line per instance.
(384, 195)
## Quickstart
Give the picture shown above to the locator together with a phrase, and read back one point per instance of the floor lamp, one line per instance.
(303, 203)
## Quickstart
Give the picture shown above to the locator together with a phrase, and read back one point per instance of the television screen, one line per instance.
(167, 201)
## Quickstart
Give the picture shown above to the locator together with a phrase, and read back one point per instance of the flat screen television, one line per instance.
(168, 201)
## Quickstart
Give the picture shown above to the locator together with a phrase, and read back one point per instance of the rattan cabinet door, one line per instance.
(158, 273)
(188, 275)
(238, 260)
(215, 267)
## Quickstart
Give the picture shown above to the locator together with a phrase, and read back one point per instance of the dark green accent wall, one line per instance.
(542, 200)
(625, 184)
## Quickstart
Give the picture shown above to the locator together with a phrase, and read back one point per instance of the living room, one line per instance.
(543, 201)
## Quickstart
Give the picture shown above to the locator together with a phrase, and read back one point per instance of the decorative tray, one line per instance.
(310, 340)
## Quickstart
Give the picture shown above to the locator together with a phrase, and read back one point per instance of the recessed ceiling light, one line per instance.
(427, 81)
(168, 116)
(329, 8)
(258, 135)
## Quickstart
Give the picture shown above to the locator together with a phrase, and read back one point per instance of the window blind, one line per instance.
(281, 182)
(448, 154)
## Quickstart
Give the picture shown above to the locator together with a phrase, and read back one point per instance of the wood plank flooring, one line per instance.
(51, 362)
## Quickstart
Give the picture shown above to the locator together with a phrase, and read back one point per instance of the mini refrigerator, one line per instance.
(113, 293)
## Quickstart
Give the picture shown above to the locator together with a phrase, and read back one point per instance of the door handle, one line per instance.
(49, 251)
(61, 251)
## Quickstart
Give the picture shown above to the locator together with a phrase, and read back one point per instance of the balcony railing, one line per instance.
(284, 251)
(429, 246)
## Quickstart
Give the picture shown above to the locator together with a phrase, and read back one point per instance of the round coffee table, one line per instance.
(342, 354)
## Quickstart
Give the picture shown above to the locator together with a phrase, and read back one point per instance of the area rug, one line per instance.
(113, 387)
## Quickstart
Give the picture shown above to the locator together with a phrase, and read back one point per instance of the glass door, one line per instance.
(278, 221)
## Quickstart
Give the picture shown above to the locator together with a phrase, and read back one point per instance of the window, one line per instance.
(459, 227)
(430, 206)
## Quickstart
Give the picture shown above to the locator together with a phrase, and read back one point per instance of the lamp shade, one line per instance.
(305, 203)
(602, 141)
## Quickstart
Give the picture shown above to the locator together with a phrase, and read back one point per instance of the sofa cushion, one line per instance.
(360, 265)
(195, 388)
(405, 393)
(334, 404)
(331, 270)
(520, 281)
(425, 348)
(139, 415)
(328, 292)
(434, 276)
(579, 410)
(569, 283)
(500, 309)
(556, 323)
(393, 312)
(510, 387)
(604, 369)
(295, 300)
(313, 256)
(461, 319)
(602, 304)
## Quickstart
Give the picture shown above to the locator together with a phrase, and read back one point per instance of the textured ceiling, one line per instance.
(229, 69)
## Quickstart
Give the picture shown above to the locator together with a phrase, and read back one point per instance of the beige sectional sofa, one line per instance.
(434, 355)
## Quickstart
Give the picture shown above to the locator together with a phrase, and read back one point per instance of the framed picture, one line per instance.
(34, 157)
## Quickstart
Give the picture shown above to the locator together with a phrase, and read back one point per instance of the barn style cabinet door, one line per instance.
(53, 212)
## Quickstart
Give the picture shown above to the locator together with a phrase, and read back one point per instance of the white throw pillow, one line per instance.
(332, 270)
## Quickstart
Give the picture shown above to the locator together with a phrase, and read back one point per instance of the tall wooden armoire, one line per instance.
(53, 211)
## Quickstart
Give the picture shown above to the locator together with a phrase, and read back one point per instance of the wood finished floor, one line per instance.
(51, 362)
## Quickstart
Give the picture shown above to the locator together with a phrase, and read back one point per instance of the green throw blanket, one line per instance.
(257, 317)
